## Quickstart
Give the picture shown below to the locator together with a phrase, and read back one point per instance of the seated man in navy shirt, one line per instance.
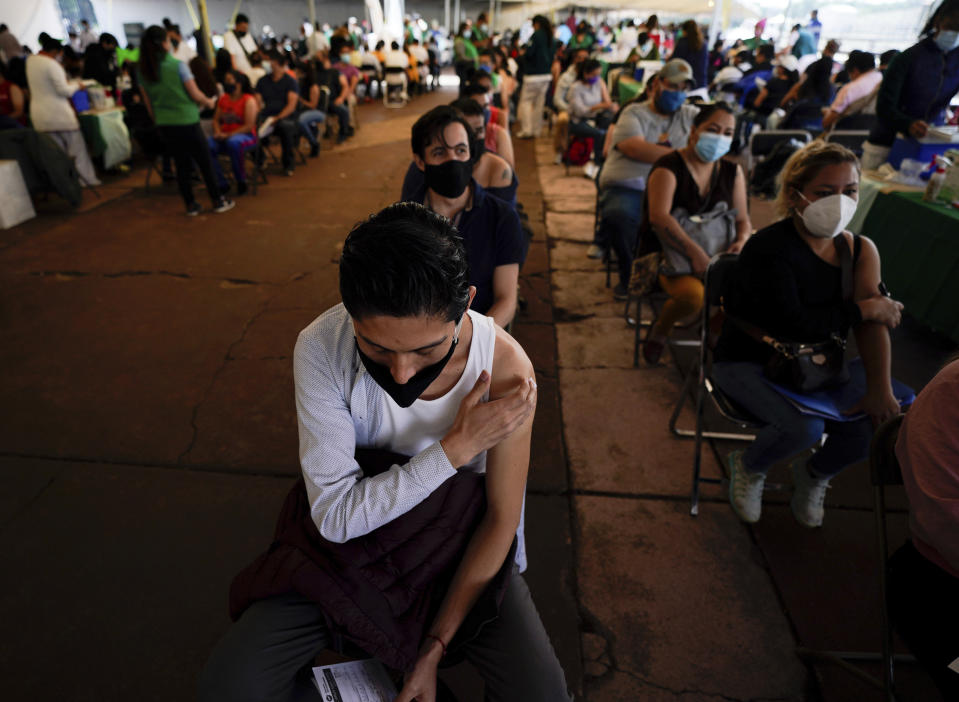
(491, 231)
(277, 94)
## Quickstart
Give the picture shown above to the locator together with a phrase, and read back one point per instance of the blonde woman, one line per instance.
(788, 284)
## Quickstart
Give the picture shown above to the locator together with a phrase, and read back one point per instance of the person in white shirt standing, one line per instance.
(87, 35)
(50, 108)
(241, 45)
(182, 51)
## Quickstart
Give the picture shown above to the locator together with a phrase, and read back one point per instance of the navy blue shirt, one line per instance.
(275, 93)
(493, 237)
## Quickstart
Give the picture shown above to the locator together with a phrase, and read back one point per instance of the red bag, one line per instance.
(579, 151)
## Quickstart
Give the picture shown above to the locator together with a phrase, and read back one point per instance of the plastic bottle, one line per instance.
(937, 179)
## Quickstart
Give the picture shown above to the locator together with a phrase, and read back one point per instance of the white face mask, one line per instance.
(947, 40)
(828, 216)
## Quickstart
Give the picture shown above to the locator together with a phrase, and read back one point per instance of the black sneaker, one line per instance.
(620, 293)
(224, 205)
(314, 150)
(241, 188)
(193, 209)
(224, 189)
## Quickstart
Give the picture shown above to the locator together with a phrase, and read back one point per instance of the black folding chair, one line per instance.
(851, 139)
(884, 471)
(700, 384)
(762, 143)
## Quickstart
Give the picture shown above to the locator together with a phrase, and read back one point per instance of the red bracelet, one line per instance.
(437, 638)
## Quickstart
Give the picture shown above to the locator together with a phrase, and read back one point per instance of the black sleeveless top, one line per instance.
(780, 285)
(687, 191)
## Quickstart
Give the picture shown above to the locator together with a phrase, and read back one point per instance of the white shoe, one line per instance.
(590, 170)
(558, 160)
(745, 489)
(595, 251)
(808, 496)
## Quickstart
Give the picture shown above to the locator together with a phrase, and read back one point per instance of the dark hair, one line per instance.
(379, 45)
(274, 55)
(404, 261)
(946, 8)
(471, 89)
(643, 37)
(223, 63)
(796, 27)
(766, 50)
(241, 19)
(886, 56)
(693, 34)
(242, 79)
(546, 26)
(746, 56)
(586, 67)
(862, 61)
(430, 127)
(652, 22)
(107, 38)
(48, 43)
(709, 110)
(468, 106)
(151, 52)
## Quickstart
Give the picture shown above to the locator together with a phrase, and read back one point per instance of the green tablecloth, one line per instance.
(919, 247)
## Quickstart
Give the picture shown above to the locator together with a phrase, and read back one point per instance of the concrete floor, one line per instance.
(149, 440)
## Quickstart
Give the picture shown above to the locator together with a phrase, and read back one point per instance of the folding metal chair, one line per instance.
(762, 143)
(699, 383)
(852, 139)
(884, 471)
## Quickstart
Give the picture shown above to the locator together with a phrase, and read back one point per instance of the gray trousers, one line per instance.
(264, 656)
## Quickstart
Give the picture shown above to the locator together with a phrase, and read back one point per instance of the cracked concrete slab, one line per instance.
(616, 435)
(247, 421)
(565, 225)
(122, 577)
(584, 294)
(692, 602)
(570, 256)
(272, 335)
(111, 368)
(595, 342)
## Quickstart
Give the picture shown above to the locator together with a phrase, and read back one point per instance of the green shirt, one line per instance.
(171, 104)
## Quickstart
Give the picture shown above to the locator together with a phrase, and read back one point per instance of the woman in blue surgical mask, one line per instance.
(917, 85)
(591, 109)
(697, 180)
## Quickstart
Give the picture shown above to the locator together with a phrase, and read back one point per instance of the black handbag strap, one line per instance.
(845, 265)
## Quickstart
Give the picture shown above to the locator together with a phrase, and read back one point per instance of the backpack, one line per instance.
(763, 180)
(579, 151)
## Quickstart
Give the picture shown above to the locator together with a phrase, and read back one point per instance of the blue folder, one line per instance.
(832, 402)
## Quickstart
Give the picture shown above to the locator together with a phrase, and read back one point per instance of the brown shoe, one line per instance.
(652, 351)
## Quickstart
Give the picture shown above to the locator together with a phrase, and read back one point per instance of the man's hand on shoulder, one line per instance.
(479, 426)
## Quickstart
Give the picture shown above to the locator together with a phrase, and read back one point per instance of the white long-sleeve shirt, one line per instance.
(50, 108)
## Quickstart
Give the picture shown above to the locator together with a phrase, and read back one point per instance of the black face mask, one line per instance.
(174, 42)
(477, 149)
(406, 394)
(450, 178)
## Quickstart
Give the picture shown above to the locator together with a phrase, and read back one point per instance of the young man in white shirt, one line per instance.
(241, 45)
(403, 365)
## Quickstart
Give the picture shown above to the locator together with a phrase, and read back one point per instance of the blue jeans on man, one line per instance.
(620, 214)
(787, 431)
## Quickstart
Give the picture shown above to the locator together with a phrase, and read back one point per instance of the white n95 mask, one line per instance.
(828, 216)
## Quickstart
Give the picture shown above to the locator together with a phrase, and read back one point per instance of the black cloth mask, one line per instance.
(477, 149)
(449, 178)
(406, 394)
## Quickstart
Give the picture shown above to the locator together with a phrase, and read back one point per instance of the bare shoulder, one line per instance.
(501, 174)
(511, 365)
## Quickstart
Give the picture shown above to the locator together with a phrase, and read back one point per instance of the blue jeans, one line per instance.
(620, 214)
(585, 129)
(307, 120)
(236, 146)
(787, 431)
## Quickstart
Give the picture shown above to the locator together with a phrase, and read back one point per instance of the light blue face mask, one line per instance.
(712, 147)
(947, 40)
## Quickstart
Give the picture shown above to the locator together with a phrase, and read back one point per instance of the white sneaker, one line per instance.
(745, 489)
(595, 251)
(808, 496)
(590, 170)
(558, 160)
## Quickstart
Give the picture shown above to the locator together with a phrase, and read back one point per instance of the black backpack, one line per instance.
(763, 180)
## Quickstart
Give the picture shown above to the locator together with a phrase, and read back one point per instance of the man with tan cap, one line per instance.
(644, 133)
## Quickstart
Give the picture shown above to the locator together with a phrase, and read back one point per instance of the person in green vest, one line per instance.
(172, 97)
(583, 39)
(757, 38)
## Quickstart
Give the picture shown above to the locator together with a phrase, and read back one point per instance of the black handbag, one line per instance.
(808, 367)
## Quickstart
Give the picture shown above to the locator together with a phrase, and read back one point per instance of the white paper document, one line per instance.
(355, 681)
